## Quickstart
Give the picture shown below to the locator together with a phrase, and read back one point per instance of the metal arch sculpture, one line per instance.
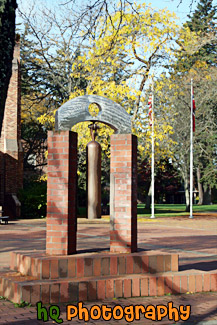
(76, 110)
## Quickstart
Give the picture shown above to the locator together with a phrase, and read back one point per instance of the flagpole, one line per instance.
(191, 155)
(152, 156)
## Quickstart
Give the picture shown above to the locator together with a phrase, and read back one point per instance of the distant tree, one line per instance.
(178, 97)
(46, 61)
(203, 18)
(167, 181)
(34, 135)
(7, 38)
(202, 22)
(196, 59)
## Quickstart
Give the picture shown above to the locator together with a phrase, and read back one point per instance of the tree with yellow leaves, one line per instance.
(118, 65)
(116, 60)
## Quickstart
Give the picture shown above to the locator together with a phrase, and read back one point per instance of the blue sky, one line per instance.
(181, 9)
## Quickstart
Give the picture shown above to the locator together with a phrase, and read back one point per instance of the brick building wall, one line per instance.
(11, 157)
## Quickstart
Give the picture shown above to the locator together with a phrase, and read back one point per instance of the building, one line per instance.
(11, 154)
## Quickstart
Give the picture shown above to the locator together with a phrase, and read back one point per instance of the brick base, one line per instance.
(97, 276)
(17, 288)
(95, 264)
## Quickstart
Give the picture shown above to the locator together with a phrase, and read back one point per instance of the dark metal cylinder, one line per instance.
(93, 180)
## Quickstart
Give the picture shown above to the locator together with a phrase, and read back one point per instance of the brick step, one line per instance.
(16, 287)
(43, 266)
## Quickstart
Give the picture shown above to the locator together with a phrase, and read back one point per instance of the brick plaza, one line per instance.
(194, 241)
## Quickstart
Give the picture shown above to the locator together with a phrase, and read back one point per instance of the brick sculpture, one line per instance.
(62, 175)
(60, 275)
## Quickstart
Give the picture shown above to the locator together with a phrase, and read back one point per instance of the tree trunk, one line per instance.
(207, 196)
(148, 199)
(187, 195)
(200, 186)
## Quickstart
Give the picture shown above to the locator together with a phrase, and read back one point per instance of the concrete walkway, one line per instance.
(194, 240)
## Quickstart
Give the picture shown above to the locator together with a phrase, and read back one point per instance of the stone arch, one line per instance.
(76, 110)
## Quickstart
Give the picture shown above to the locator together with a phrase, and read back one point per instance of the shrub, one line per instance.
(33, 199)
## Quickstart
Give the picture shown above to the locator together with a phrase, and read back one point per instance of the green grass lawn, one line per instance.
(172, 210)
(165, 210)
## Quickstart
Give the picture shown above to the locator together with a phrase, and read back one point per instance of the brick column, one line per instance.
(61, 193)
(123, 193)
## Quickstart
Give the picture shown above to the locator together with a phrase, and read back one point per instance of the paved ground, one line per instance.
(195, 241)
